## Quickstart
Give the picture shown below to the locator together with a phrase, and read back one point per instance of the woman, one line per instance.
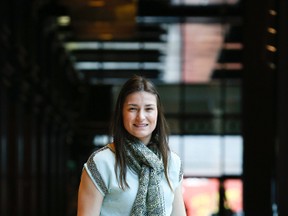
(137, 174)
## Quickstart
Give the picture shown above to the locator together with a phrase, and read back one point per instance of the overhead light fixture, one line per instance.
(272, 30)
(63, 20)
(271, 48)
(273, 12)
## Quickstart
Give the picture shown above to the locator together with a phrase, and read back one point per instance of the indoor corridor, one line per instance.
(220, 67)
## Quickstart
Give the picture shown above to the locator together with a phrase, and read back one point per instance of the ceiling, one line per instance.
(170, 42)
(173, 42)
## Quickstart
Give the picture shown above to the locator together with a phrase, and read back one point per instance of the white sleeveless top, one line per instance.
(100, 168)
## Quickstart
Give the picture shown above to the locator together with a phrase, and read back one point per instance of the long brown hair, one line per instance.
(120, 135)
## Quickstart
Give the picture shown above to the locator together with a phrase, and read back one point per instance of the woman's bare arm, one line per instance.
(89, 197)
(178, 203)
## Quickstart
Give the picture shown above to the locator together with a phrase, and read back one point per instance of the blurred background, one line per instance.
(220, 67)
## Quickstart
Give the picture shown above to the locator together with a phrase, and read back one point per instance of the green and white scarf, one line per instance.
(147, 163)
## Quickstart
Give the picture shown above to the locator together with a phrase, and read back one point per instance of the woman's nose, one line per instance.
(141, 115)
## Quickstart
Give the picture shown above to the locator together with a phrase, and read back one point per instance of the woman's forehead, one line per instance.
(141, 97)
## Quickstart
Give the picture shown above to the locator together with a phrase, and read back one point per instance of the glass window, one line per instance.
(209, 155)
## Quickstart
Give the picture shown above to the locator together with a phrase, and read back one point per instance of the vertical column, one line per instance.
(15, 155)
(61, 171)
(282, 153)
(29, 153)
(52, 165)
(43, 142)
(259, 93)
(3, 151)
(58, 172)
(19, 154)
(5, 73)
(32, 159)
(11, 125)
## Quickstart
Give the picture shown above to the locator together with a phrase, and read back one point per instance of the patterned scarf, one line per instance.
(146, 162)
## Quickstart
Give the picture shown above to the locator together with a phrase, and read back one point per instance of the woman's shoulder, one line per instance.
(175, 165)
(175, 161)
(100, 167)
(175, 157)
(101, 155)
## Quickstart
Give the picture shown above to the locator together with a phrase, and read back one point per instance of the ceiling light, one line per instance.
(63, 20)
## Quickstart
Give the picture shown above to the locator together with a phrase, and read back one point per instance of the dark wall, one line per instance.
(39, 104)
(282, 112)
(265, 108)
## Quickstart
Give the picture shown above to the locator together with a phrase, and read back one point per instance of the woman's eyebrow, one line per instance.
(150, 105)
(146, 105)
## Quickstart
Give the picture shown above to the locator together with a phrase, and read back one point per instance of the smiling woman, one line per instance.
(140, 115)
(137, 174)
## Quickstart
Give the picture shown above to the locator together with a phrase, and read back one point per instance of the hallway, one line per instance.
(51, 108)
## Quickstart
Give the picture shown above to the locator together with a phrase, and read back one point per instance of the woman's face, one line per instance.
(140, 115)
